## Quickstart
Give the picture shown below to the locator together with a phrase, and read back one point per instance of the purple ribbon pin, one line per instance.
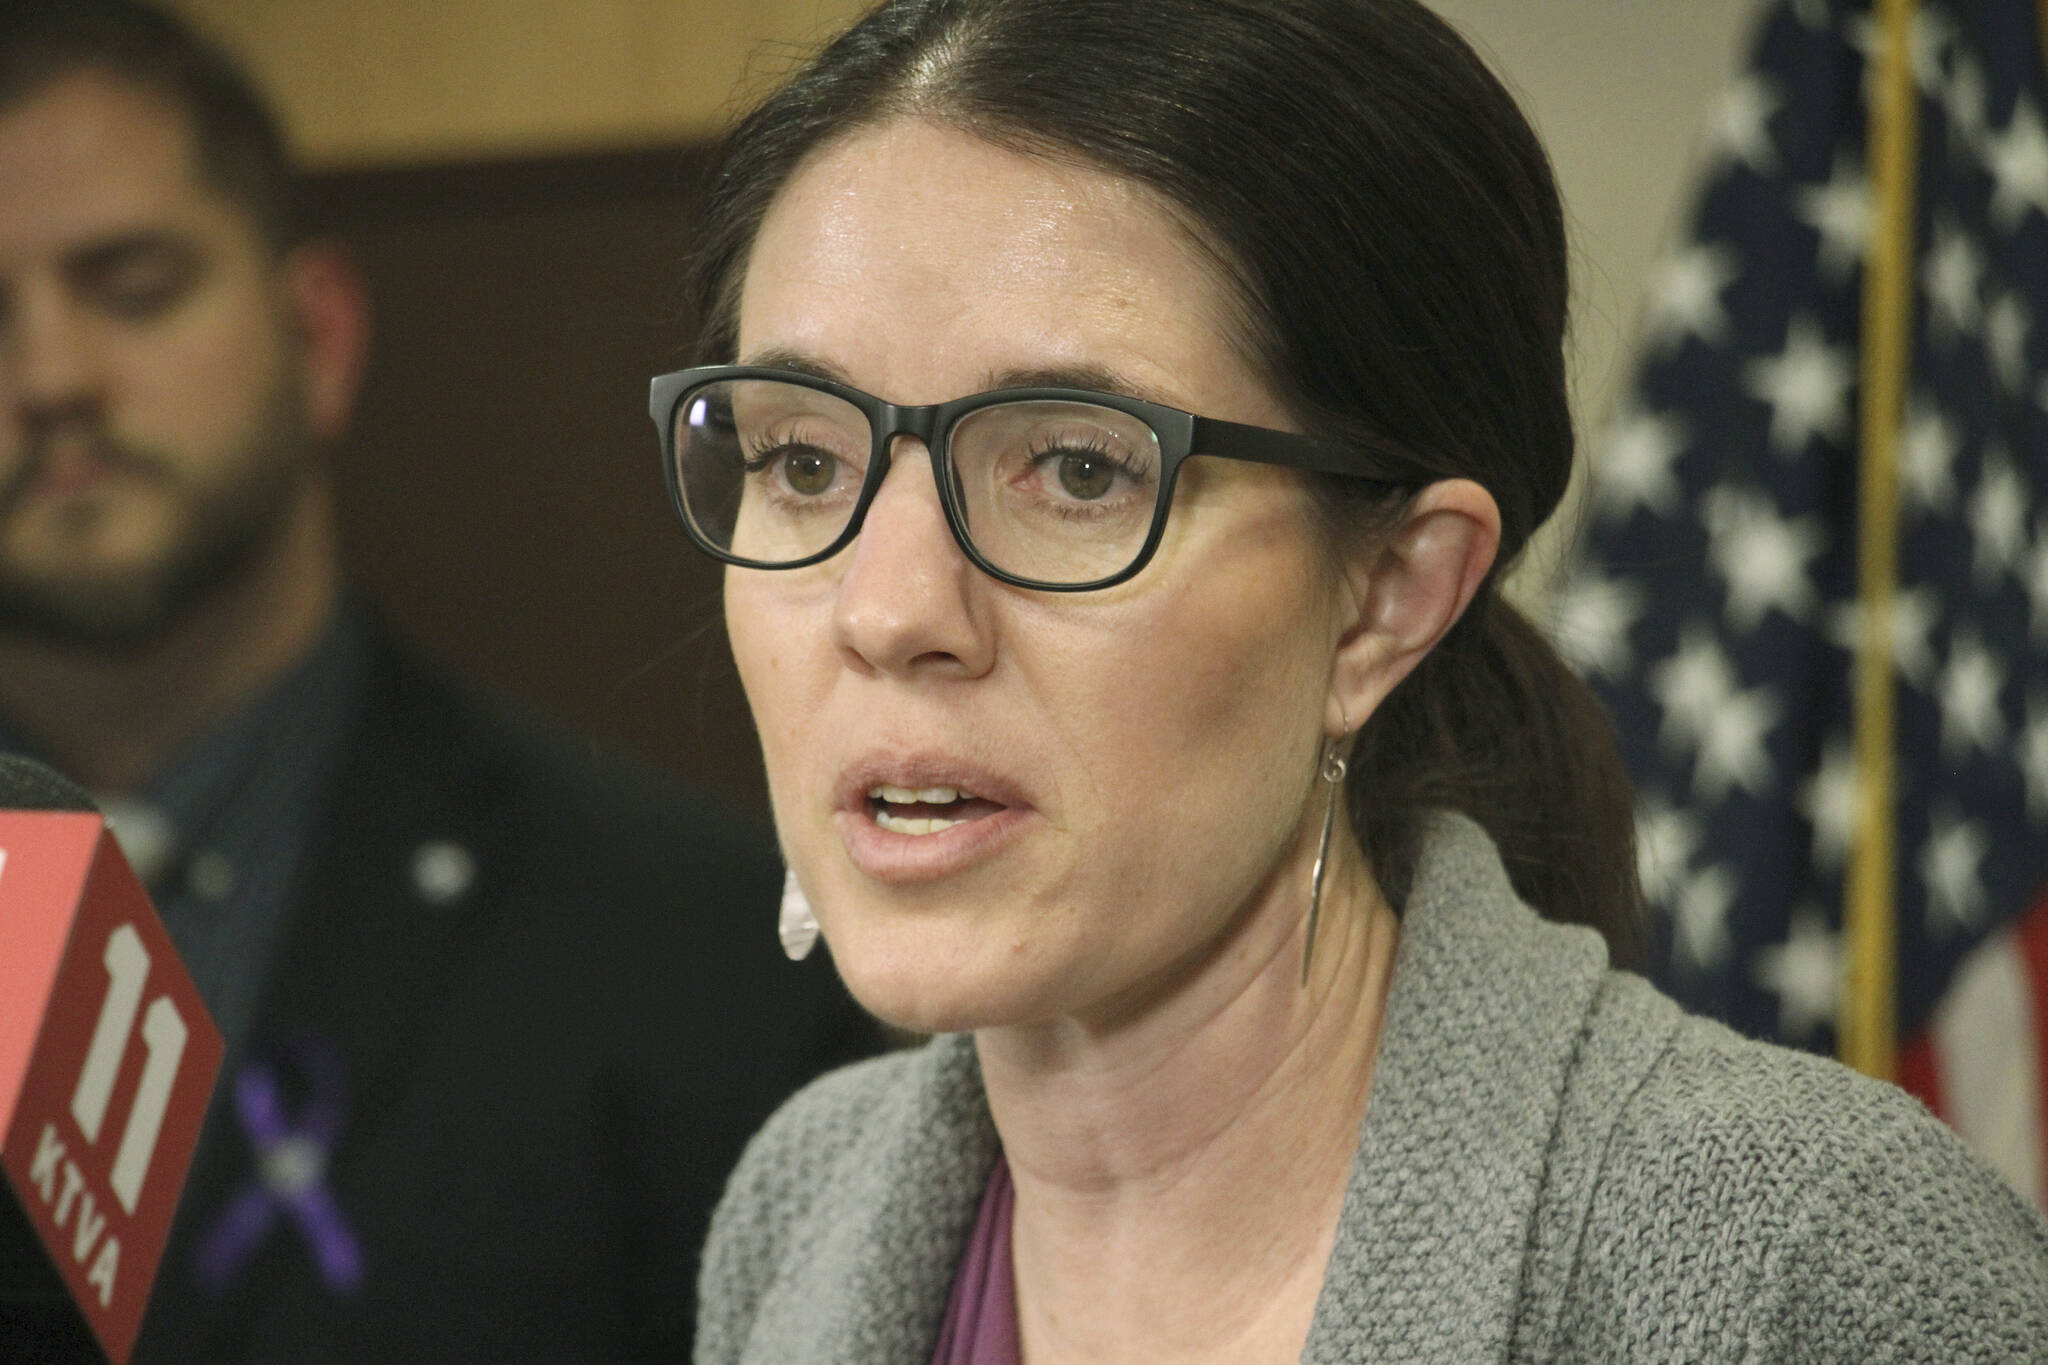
(291, 1174)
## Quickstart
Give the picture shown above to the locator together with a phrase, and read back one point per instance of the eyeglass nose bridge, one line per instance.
(922, 421)
(892, 420)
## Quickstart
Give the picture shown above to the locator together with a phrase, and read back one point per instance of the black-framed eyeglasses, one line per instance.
(1061, 490)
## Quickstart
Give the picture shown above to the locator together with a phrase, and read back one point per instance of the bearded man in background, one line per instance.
(479, 990)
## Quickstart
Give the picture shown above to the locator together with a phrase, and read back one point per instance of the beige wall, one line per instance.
(1619, 89)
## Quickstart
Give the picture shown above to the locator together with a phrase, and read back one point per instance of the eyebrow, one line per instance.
(796, 362)
(1092, 378)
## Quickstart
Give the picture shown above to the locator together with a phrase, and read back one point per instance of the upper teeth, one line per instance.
(903, 796)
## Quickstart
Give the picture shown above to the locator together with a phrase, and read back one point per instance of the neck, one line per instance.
(1179, 1177)
(110, 721)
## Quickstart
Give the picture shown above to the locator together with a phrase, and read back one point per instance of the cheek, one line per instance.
(1201, 713)
(780, 650)
(201, 382)
(1227, 663)
(756, 653)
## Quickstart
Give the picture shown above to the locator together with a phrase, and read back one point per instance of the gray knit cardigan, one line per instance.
(1557, 1164)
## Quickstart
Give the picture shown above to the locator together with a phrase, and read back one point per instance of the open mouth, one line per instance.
(925, 810)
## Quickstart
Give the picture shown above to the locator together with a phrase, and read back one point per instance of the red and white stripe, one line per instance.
(1982, 1064)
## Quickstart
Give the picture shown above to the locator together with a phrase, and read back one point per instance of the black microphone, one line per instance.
(28, 785)
(107, 1060)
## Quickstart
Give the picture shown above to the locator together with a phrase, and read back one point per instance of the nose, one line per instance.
(49, 356)
(910, 603)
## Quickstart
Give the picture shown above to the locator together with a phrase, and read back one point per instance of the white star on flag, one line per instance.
(1998, 519)
(1634, 468)
(1840, 212)
(1739, 126)
(1696, 681)
(1954, 276)
(1804, 972)
(1732, 752)
(1685, 297)
(1762, 556)
(1967, 102)
(1951, 865)
(1666, 840)
(2007, 325)
(1968, 695)
(1828, 800)
(1591, 619)
(1702, 906)
(1807, 386)
(2017, 158)
(1927, 454)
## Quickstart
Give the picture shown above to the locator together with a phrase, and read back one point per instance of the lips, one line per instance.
(916, 818)
(72, 463)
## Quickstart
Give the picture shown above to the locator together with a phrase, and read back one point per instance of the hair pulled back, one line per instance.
(1390, 227)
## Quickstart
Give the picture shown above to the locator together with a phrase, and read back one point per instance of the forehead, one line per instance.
(90, 156)
(920, 260)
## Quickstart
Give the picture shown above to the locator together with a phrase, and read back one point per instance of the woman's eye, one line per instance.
(1086, 475)
(809, 471)
(806, 470)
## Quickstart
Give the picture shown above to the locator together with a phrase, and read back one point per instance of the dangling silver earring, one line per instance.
(1332, 773)
(797, 927)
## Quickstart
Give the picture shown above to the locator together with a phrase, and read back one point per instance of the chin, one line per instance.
(922, 1017)
(909, 979)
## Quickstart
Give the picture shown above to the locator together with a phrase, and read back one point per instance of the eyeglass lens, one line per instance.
(1056, 491)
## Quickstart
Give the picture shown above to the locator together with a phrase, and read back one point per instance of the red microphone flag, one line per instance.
(107, 1061)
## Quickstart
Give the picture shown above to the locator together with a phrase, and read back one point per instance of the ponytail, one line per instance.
(1494, 724)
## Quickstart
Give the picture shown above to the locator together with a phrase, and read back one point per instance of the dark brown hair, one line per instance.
(241, 150)
(1390, 225)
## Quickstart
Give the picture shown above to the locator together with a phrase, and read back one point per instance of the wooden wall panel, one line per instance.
(501, 493)
(393, 81)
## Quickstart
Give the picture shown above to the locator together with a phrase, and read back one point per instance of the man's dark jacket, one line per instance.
(546, 1074)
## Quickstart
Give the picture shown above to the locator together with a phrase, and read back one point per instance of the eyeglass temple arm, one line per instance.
(1382, 461)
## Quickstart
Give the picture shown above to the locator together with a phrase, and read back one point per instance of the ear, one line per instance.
(330, 310)
(1408, 588)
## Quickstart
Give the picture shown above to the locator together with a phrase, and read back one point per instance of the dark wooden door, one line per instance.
(500, 492)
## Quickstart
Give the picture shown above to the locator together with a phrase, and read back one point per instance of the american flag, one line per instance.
(1715, 602)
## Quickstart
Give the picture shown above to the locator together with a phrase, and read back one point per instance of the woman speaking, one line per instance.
(1122, 413)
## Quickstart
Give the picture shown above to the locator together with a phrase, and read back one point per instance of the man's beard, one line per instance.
(228, 528)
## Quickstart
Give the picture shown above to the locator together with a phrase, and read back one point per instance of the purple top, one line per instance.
(981, 1317)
